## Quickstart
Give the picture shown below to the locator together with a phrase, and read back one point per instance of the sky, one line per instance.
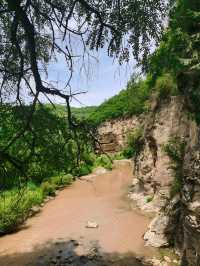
(101, 79)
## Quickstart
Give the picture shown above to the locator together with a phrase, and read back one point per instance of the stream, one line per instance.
(58, 235)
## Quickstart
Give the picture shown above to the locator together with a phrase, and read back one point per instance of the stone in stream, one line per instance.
(92, 224)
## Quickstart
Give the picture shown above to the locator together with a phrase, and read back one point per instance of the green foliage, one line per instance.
(176, 187)
(131, 101)
(15, 206)
(138, 93)
(81, 113)
(135, 143)
(89, 158)
(114, 107)
(104, 161)
(61, 180)
(84, 169)
(165, 86)
(51, 150)
(179, 52)
(149, 199)
(175, 149)
(48, 188)
(128, 152)
(118, 156)
(125, 27)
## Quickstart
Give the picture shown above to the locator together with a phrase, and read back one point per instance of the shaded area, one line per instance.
(66, 253)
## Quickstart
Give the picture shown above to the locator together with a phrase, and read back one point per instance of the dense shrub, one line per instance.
(104, 161)
(84, 169)
(135, 143)
(165, 86)
(48, 188)
(118, 156)
(89, 158)
(61, 180)
(15, 206)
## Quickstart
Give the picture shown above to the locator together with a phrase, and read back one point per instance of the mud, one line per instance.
(58, 234)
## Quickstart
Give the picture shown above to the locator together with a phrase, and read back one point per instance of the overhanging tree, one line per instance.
(34, 32)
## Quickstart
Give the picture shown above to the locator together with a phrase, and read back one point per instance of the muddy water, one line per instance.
(101, 199)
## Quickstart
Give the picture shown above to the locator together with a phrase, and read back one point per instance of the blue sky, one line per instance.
(102, 78)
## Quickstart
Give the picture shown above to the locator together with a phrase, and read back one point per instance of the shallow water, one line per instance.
(102, 199)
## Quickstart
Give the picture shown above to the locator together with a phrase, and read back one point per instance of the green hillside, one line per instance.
(130, 101)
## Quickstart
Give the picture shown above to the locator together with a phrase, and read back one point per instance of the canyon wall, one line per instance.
(113, 133)
(165, 184)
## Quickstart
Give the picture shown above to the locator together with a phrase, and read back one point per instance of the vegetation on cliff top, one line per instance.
(174, 68)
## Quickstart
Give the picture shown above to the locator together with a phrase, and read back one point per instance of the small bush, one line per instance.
(84, 169)
(135, 143)
(175, 149)
(35, 197)
(48, 188)
(165, 86)
(89, 158)
(118, 156)
(67, 179)
(128, 152)
(61, 180)
(104, 161)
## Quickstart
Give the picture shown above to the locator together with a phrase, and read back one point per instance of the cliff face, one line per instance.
(164, 186)
(112, 134)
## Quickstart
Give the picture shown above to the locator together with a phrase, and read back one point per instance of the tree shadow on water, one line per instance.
(64, 253)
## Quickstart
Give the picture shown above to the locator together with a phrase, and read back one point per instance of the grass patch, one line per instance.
(135, 143)
(104, 161)
(15, 206)
(165, 86)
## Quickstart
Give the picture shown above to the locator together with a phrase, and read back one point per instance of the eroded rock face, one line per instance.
(113, 133)
(178, 217)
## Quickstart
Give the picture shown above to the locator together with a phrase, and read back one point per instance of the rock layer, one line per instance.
(177, 220)
(112, 134)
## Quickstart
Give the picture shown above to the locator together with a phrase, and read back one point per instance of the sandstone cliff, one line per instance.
(112, 134)
(162, 185)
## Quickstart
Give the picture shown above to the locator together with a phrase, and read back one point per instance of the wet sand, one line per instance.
(103, 199)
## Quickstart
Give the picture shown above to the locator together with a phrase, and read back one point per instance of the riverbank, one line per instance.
(58, 235)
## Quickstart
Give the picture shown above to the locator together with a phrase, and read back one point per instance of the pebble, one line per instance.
(167, 259)
(92, 224)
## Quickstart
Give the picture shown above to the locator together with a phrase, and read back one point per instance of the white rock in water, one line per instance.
(92, 224)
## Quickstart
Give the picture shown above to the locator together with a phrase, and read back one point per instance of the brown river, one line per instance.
(58, 235)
